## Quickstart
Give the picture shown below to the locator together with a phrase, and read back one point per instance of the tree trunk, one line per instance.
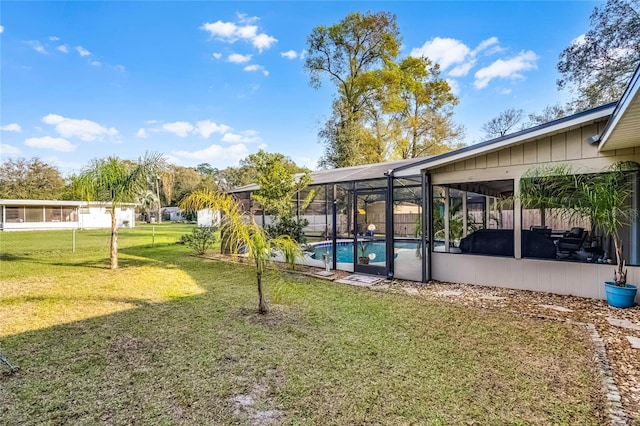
(620, 275)
(262, 307)
(114, 239)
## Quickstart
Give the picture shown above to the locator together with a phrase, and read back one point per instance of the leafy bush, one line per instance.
(289, 226)
(201, 238)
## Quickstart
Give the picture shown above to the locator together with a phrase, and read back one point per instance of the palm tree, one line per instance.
(115, 181)
(147, 200)
(242, 233)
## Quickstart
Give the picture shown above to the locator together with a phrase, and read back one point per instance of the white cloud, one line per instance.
(263, 41)
(206, 128)
(6, 149)
(179, 128)
(247, 32)
(120, 68)
(1, 29)
(444, 51)
(254, 67)
(485, 44)
(237, 58)
(248, 136)
(35, 45)
(63, 48)
(505, 91)
(230, 32)
(510, 68)
(289, 54)
(454, 85)
(243, 18)
(47, 142)
(82, 51)
(462, 69)
(223, 30)
(96, 63)
(142, 133)
(216, 153)
(85, 130)
(216, 55)
(449, 52)
(12, 127)
(54, 38)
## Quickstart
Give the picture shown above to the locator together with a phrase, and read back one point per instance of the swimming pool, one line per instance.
(375, 250)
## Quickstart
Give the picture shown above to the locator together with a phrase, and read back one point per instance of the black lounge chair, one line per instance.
(572, 241)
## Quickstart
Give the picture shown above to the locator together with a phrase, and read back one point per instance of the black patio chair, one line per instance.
(572, 241)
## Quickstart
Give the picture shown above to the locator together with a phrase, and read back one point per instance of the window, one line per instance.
(474, 218)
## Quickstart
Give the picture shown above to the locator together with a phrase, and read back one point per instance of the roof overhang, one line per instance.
(544, 130)
(623, 129)
(49, 203)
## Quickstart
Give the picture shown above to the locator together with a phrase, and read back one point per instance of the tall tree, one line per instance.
(279, 188)
(349, 53)
(186, 180)
(115, 181)
(30, 179)
(423, 110)
(598, 64)
(167, 182)
(548, 113)
(506, 122)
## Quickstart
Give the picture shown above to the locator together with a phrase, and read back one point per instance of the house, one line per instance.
(47, 214)
(172, 214)
(381, 211)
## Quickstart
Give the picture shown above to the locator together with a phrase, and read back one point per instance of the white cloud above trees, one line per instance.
(506, 69)
(216, 154)
(457, 59)
(85, 130)
(237, 58)
(6, 150)
(244, 29)
(11, 127)
(48, 142)
(179, 128)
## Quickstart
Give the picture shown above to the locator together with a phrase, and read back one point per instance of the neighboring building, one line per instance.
(172, 214)
(45, 214)
(381, 211)
(208, 217)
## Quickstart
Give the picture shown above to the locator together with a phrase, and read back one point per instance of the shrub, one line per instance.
(201, 238)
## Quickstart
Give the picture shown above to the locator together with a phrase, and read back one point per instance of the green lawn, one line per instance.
(174, 339)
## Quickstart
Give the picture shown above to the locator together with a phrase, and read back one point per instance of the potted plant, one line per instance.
(363, 259)
(603, 198)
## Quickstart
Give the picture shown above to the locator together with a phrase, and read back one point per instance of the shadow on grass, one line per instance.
(8, 257)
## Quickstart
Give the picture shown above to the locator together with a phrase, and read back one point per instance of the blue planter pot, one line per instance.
(620, 297)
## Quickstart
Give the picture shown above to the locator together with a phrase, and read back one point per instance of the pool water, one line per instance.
(375, 250)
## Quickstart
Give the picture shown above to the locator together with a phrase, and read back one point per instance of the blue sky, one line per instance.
(215, 81)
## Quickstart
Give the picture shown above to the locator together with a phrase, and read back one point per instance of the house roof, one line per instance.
(348, 174)
(542, 130)
(623, 128)
(49, 203)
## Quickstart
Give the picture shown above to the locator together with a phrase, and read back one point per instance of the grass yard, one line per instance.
(174, 339)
